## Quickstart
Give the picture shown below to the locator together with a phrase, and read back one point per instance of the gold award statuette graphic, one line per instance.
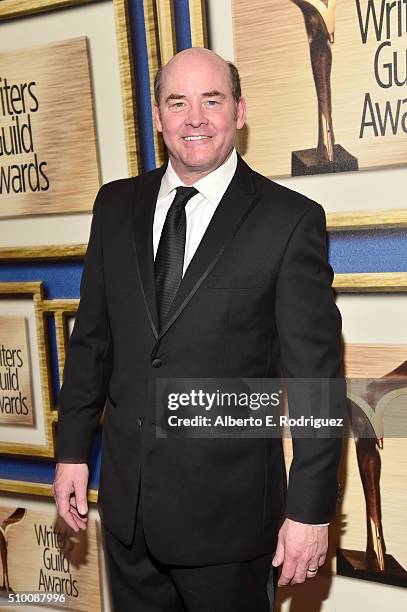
(41, 555)
(48, 153)
(319, 18)
(16, 404)
(368, 401)
(12, 520)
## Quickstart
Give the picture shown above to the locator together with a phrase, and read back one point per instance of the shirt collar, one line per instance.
(211, 187)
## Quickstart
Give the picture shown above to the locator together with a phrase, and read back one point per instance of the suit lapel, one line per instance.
(143, 216)
(232, 210)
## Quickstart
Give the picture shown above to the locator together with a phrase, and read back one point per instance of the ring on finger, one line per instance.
(313, 570)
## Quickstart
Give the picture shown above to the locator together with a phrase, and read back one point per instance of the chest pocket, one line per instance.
(236, 281)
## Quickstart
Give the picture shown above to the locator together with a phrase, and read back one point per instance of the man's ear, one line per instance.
(157, 117)
(240, 113)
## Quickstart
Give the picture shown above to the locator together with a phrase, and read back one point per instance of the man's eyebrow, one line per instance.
(175, 96)
(206, 94)
(213, 94)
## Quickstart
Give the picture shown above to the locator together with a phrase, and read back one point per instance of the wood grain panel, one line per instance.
(36, 488)
(166, 29)
(127, 84)
(55, 98)
(197, 18)
(55, 251)
(380, 218)
(371, 282)
(16, 8)
(154, 62)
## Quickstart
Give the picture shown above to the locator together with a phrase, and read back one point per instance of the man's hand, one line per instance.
(299, 548)
(69, 491)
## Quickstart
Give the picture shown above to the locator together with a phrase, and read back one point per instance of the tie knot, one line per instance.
(183, 195)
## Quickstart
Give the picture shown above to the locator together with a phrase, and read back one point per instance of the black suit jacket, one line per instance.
(256, 297)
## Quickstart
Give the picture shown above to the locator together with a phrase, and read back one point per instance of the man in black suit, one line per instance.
(202, 268)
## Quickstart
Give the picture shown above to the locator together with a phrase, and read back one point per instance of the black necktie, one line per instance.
(169, 260)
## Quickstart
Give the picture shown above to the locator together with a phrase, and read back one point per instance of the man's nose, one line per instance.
(196, 116)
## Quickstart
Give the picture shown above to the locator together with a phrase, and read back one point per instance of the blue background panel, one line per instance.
(368, 251)
(42, 471)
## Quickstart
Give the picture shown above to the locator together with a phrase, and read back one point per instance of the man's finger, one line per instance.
(80, 520)
(74, 504)
(312, 567)
(287, 572)
(76, 514)
(300, 575)
(279, 555)
(62, 502)
(69, 519)
(80, 495)
(78, 525)
(81, 523)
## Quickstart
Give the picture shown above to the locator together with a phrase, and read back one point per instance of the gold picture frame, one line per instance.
(60, 309)
(35, 291)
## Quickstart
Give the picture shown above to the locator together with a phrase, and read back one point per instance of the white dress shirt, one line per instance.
(199, 209)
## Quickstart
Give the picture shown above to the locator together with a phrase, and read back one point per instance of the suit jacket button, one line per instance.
(139, 422)
(156, 363)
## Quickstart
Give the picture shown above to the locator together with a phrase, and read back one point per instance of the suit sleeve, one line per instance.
(89, 357)
(309, 329)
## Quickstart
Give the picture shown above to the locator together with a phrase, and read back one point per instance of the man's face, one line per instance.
(197, 115)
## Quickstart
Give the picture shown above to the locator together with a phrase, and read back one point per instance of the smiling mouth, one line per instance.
(192, 138)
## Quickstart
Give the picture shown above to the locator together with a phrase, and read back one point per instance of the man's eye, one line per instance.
(177, 105)
(212, 102)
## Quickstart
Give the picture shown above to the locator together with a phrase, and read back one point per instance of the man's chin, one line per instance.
(198, 164)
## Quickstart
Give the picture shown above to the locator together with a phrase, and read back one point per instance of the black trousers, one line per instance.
(141, 583)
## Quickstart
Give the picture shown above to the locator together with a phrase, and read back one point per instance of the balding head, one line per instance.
(198, 112)
(187, 58)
